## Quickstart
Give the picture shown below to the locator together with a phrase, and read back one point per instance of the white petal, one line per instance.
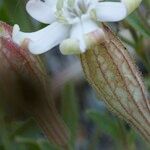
(50, 2)
(131, 4)
(43, 11)
(111, 11)
(80, 29)
(44, 39)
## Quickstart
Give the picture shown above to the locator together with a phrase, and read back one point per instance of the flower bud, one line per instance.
(131, 5)
(24, 84)
(111, 71)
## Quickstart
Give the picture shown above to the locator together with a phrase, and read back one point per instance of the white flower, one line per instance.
(70, 21)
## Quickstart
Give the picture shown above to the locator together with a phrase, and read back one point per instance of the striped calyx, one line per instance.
(27, 83)
(111, 71)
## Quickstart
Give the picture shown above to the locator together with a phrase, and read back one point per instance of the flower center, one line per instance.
(71, 11)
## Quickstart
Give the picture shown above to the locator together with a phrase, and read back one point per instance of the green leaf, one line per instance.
(69, 109)
(26, 129)
(30, 144)
(135, 21)
(114, 127)
(15, 13)
(105, 122)
(45, 145)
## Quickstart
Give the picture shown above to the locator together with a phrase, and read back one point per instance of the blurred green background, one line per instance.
(92, 126)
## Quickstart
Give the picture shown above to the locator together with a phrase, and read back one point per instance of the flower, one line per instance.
(70, 22)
